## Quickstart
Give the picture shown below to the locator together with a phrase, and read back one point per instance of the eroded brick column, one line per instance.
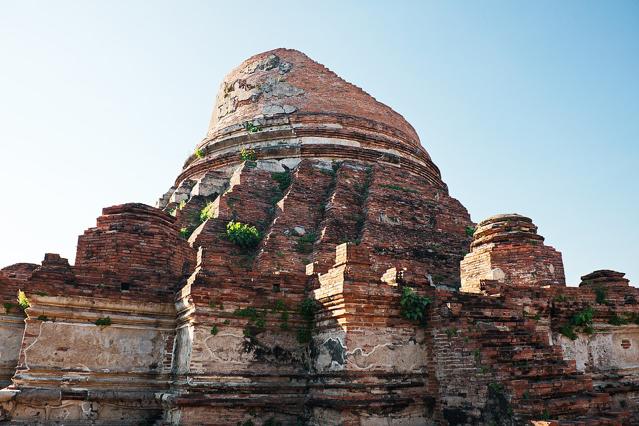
(369, 362)
(507, 248)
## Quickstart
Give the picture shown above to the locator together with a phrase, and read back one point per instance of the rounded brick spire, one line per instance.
(509, 227)
(284, 105)
(286, 81)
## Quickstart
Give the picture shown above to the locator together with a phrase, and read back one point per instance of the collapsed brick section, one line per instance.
(424, 228)
(136, 248)
(289, 242)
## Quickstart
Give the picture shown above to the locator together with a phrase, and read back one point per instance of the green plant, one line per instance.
(226, 322)
(537, 316)
(249, 312)
(305, 243)
(399, 188)
(568, 331)
(306, 309)
(632, 317)
(252, 128)
(496, 387)
(279, 305)
(214, 304)
(182, 204)
(243, 235)
(617, 320)
(214, 330)
(545, 415)
(470, 231)
(43, 318)
(199, 153)
(207, 212)
(256, 320)
(560, 298)
(284, 317)
(283, 179)
(451, 332)
(248, 154)
(413, 306)
(41, 293)
(583, 318)
(185, 232)
(8, 306)
(103, 322)
(23, 301)
(271, 422)
(600, 295)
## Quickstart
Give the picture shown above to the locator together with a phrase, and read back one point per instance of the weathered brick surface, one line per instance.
(164, 319)
(507, 248)
(12, 279)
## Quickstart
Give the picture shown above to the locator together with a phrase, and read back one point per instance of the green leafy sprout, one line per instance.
(248, 154)
(242, 234)
(23, 301)
(413, 306)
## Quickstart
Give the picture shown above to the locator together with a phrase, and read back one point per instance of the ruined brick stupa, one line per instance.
(308, 266)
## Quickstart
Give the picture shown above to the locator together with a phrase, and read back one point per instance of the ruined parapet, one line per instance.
(91, 350)
(136, 248)
(507, 248)
(91, 359)
(604, 278)
(362, 343)
(597, 326)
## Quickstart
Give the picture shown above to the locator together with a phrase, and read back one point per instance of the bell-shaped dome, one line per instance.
(284, 106)
(286, 81)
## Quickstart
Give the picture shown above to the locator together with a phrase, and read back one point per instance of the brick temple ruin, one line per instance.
(357, 291)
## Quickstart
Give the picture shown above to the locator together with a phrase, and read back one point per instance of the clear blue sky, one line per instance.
(527, 107)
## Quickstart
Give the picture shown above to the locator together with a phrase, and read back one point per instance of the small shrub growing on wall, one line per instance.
(283, 179)
(307, 309)
(23, 302)
(103, 322)
(413, 306)
(568, 331)
(248, 154)
(305, 243)
(252, 128)
(185, 232)
(199, 153)
(581, 319)
(600, 294)
(617, 320)
(207, 212)
(243, 235)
